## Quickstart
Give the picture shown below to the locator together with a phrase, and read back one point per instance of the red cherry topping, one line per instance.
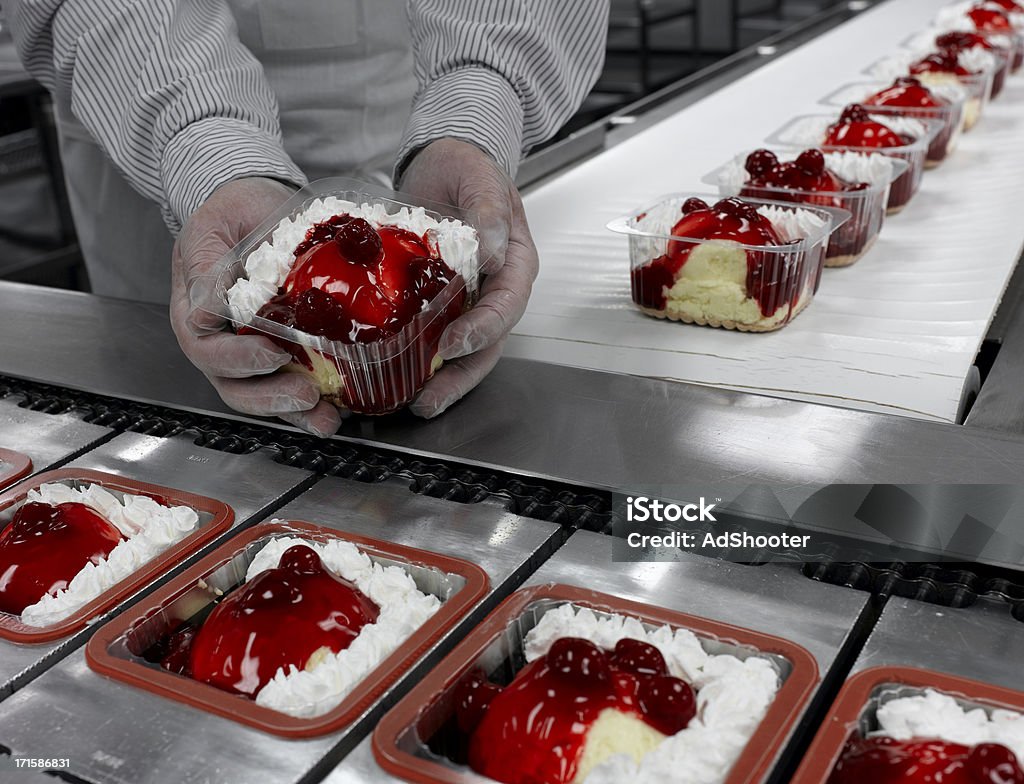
(1008, 5)
(855, 128)
(960, 39)
(942, 61)
(177, 651)
(472, 696)
(992, 763)
(45, 546)
(693, 204)
(761, 162)
(668, 703)
(812, 162)
(906, 91)
(320, 314)
(989, 20)
(281, 617)
(359, 242)
(639, 657)
(578, 660)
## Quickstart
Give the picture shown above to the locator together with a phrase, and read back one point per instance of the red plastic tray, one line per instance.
(13, 466)
(211, 699)
(11, 627)
(752, 765)
(842, 719)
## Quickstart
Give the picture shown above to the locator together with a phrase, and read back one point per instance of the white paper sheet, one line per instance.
(896, 333)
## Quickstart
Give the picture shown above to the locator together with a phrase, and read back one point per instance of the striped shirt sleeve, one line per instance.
(503, 75)
(164, 86)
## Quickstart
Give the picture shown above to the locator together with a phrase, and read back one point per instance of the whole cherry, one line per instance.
(472, 696)
(639, 657)
(693, 204)
(854, 113)
(668, 703)
(318, 313)
(812, 161)
(993, 763)
(359, 242)
(578, 660)
(761, 161)
(301, 559)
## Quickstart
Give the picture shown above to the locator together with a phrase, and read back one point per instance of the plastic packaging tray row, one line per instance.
(853, 711)
(403, 740)
(215, 517)
(116, 649)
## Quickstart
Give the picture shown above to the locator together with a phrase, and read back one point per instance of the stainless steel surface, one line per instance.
(46, 438)
(116, 734)
(248, 483)
(771, 599)
(983, 642)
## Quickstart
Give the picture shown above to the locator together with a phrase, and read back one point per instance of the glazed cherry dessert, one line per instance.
(807, 180)
(990, 20)
(534, 731)
(856, 129)
(356, 284)
(281, 617)
(770, 281)
(45, 546)
(961, 41)
(885, 760)
(906, 96)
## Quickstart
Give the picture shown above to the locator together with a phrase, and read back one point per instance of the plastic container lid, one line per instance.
(374, 377)
(13, 466)
(215, 517)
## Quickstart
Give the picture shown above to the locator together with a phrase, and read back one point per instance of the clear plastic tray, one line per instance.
(367, 378)
(13, 466)
(117, 649)
(1005, 58)
(809, 130)
(952, 115)
(978, 86)
(418, 742)
(215, 517)
(781, 279)
(854, 711)
(866, 207)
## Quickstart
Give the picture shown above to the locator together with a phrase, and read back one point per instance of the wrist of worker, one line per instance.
(212, 152)
(473, 105)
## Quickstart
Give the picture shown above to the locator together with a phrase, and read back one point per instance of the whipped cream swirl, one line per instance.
(403, 609)
(733, 696)
(150, 529)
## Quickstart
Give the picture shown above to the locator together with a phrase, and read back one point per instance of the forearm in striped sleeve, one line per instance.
(165, 88)
(502, 74)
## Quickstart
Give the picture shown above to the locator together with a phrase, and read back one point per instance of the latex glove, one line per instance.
(459, 173)
(239, 367)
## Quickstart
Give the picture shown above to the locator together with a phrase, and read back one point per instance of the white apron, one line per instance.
(343, 76)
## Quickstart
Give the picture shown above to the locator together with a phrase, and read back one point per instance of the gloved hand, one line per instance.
(459, 173)
(238, 366)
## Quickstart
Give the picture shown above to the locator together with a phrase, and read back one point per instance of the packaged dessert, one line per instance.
(292, 628)
(561, 684)
(13, 466)
(972, 71)
(974, 51)
(358, 283)
(745, 264)
(857, 129)
(852, 181)
(901, 724)
(74, 543)
(907, 96)
(989, 19)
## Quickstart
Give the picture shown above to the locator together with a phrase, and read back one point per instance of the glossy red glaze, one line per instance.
(856, 128)
(942, 61)
(534, 730)
(1008, 5)
(990, 20)
(279, 618)
(807, 173)
(729, 219)
(961, 39)
(887, 761)
(45, 546)
(907, 92)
